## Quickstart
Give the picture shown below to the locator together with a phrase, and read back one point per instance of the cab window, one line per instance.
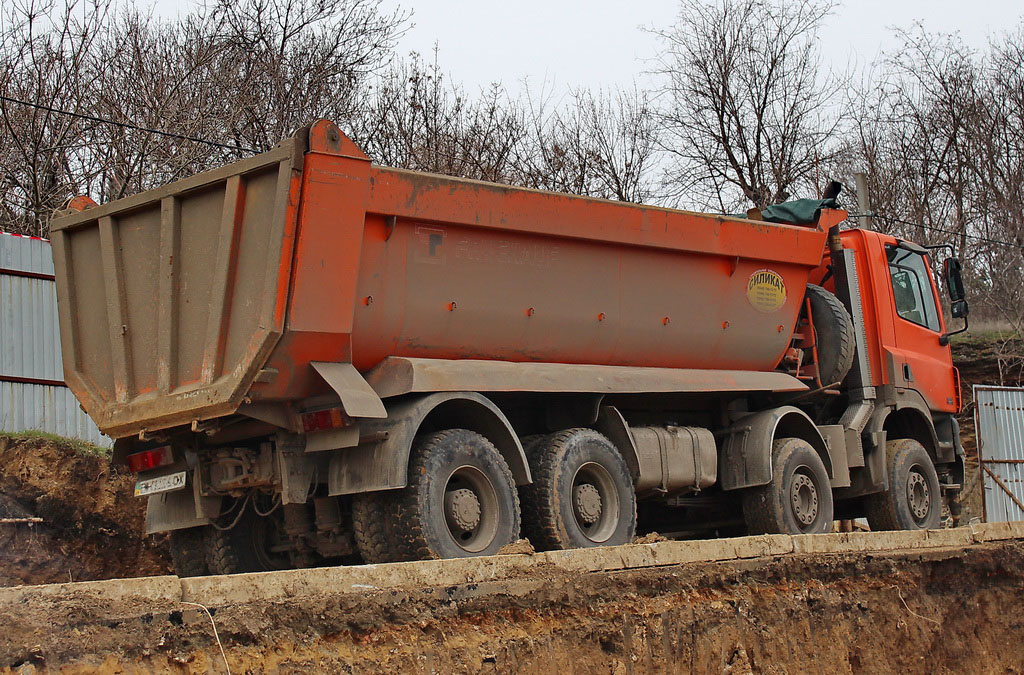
(911, 288)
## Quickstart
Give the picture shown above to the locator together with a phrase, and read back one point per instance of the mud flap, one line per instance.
(357, 397)
(180, 509)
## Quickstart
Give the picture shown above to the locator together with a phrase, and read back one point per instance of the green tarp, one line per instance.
(798, 211)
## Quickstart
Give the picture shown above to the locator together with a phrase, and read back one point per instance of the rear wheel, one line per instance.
(254, 544)
(461, 501)
(188, 552)
(913, 501)
(798, 500)
(582, 494)
(371, 526)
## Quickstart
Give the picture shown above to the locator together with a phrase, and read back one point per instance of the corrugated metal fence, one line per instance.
(32, 391)
(999, 419)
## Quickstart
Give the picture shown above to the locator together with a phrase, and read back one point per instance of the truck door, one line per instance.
(919, 360)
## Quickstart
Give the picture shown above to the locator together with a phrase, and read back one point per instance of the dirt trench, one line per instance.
(936, 611)
(92, 524)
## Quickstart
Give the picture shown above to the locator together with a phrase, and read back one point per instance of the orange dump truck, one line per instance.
(306, 357)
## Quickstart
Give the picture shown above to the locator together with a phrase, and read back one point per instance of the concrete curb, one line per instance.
(165, 588)
(218, 591)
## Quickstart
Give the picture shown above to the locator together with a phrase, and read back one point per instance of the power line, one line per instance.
(986, 240)
(125, 125)
(194, 139)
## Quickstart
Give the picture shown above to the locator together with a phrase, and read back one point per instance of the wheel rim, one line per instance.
(803, 498)
(919, 497)
(595, 502)
(471, 509)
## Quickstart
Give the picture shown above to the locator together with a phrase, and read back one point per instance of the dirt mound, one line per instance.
(943, 610)
(92, 524)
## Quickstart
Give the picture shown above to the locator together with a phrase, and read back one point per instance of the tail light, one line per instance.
(150, 459)
(319, 420)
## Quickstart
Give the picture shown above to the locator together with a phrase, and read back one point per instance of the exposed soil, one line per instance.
(92, 524)
(953, 610)
(982, 360)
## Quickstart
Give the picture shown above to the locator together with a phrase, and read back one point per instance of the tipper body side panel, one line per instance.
(180, 303)
(456, 269)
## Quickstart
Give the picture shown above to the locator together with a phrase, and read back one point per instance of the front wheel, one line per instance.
(798, 500)
(912, 501)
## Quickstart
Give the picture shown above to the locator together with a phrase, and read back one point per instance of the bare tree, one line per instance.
(288, 62)
(599, 144)
(916, 124)
(416, 117)
(749, 115)
(939, 131)
(595, 144)
(239, 75)
(45, 49)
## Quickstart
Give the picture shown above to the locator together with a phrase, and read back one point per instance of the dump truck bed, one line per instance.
(179, 303)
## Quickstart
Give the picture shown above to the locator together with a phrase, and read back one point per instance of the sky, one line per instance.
(570, 44)
(602, 43)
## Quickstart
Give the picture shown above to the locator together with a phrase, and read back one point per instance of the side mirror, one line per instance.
(954, 284)
(958, 308)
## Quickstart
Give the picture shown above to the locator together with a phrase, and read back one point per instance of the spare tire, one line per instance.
(835, 337)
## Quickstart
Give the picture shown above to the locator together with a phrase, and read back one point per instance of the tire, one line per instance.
(835, 340)
(798, 500)
(371, 526)
(247, 547)
(188, 552)
(461, 500)
(913, 500)
(581, 495)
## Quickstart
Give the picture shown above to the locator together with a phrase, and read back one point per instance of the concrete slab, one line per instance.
(218, 591)
(669, 553)
(167, 588)
(849, 542)
(269, 586)
(998, 531)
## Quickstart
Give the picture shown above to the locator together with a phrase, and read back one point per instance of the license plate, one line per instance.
(152, 486)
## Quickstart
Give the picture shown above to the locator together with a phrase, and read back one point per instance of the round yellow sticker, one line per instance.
(766, 291)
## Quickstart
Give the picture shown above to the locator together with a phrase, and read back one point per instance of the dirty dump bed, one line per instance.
(171, 300)
(179, 303)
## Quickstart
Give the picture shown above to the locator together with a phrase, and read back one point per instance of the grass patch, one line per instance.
(985, 337)
(77, 445)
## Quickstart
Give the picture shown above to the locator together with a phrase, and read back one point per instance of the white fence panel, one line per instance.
(999, 419)
(32, 390)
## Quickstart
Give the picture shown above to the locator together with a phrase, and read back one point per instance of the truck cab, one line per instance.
(904, 361)
(903, 319)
